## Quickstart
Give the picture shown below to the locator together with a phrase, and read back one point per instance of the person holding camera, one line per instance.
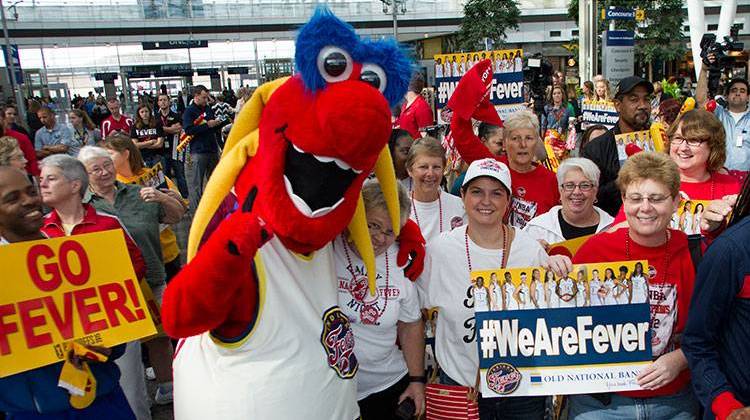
(732, 114)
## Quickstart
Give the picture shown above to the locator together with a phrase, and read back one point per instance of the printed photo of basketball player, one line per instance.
(481, 296)
(550, 290)
(639, 285)
(523, 293)
(609, 287)
(537, 290)
(496, 293)
(623, 289)
(509, 291)
(567, 289)
(596, 289)
(583, 297)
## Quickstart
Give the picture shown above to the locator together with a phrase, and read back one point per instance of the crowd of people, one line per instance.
(503, 208)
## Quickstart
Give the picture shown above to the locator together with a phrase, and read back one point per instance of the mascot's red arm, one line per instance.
(204, 294)
(411, 244)
(471, 100)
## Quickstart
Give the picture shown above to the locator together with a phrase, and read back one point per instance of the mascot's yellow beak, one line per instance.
(358, 230)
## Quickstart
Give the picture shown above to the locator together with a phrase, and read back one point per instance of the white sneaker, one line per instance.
(164, 394)
(150, 374)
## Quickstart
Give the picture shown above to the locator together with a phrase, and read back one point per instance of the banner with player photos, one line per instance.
(506, 92)
(598, 112)
(585, 333)
(688, 216)
(642, 139)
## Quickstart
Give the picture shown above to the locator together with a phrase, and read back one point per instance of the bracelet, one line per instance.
(420, 379)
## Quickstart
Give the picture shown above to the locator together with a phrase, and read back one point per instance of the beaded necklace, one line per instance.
(505, 244)
(666, 253)
(440, 211)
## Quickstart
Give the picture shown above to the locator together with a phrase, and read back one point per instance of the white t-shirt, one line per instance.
(736, 115)
(373, 321)
(427, 215)
(297, 361)
(446, 282)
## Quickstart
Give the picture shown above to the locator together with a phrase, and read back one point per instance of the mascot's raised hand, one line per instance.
(257, 302)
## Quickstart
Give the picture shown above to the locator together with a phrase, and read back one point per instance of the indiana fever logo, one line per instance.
(503, 378)
(338, 342)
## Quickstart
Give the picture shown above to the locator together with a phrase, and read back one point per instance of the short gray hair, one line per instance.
(92, 152)
(589, 169)
(519, 120)
(72, 169)
(373, 197)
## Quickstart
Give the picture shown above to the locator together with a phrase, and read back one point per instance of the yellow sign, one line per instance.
(640, 15)
(79, 288)
(567, 248)
(456, 65)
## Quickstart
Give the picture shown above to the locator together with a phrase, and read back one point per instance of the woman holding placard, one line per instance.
(698, 147)
(485, 243)
(650, 184)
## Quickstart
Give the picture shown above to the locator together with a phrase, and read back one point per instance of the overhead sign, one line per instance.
(238, 70)
(619, 13)
(16, 62)
(173, 45)
(80, 288)
(618, 55)
(106, 77)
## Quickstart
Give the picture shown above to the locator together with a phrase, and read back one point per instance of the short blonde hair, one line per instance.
(650, 165)
(519, 120)
(703, 125)
(426, 146)
(8, 145)
(373, 197)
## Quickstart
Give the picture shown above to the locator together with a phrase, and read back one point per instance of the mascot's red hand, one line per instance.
(411, 244)
(471, 100)
(205, 295)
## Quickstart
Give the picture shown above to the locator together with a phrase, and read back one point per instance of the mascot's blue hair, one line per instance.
(325, 29)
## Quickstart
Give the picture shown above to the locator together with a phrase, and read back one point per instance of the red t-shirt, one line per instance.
(714, 188)
(110, 125)
(671, 280)
(534, 193)
(415, 116)
(32, 166)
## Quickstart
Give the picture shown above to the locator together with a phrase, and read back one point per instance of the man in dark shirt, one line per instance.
(174, 160)
(633, 103)
(199, 121)
(716, 341)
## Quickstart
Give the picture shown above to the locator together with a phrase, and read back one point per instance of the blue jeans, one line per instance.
(680, 406)
(507, 408)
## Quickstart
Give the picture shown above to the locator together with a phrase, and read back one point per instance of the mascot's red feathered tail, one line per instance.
(258, 301)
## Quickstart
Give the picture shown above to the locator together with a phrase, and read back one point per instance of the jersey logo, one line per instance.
(456, 221)
(337, 339)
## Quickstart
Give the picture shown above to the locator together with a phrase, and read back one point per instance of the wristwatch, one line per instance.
(420, 379)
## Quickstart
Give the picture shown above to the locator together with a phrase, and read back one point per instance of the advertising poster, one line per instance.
(599, 112)
(642, 139)
(585, 333)
(77, 288)
(506, 92)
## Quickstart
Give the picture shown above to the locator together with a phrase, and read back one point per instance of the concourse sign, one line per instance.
(618, 55)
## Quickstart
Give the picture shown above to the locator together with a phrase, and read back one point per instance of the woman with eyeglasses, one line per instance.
(698, 147)
(649, 183)
(577, 180)
(387, 374)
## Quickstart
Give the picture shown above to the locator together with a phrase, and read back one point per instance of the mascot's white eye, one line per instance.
(334, 64)
(374, 75)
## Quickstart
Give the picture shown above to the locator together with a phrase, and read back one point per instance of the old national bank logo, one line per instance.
(503, 378)
(337, 339)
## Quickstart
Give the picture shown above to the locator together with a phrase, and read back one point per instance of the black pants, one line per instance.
(382, 405)
(172, 268)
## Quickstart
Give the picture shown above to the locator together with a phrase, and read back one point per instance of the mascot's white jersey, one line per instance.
(297, 362)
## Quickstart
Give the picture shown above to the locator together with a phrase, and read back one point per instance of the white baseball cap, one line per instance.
(488, 167)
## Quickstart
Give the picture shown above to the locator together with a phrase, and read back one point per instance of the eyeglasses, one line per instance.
(99, 170)
(653, 199)
(376, 229)
(583, 186)
(692, 142)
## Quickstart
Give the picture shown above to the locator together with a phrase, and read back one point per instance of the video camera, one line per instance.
(709, 45)
(537, 75)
